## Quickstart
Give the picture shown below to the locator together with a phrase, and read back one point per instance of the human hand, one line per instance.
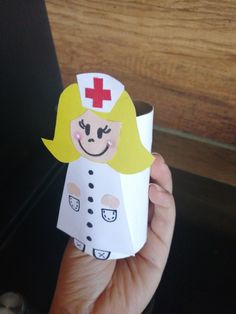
(87, 285)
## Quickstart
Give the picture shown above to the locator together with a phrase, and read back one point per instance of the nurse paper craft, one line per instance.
(104, 202)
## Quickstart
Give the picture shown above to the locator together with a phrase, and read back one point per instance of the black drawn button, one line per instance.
(90, 172)
(90, 199)
(89, 224)
(89, 238)
(90, 211)
(91, 185)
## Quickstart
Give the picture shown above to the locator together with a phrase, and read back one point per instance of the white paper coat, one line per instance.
(105, 232)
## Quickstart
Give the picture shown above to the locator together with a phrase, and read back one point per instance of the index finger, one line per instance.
(160, 173)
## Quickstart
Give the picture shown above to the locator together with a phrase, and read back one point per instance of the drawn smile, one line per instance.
(94, 155)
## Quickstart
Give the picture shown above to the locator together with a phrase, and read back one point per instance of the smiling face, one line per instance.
(95, 138)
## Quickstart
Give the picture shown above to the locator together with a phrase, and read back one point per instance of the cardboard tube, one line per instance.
(136, 201)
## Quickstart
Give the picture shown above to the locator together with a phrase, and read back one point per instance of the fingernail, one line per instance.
(156, 155)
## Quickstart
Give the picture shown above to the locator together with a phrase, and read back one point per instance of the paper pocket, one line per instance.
(74, 203)
(100, 254)
(109, 215)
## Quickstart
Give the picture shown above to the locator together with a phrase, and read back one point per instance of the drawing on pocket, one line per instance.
(100, 254)
(80, 245)
(74, 203)
(109, 215)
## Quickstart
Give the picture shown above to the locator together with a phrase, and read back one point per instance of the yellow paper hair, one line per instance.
(131, 155)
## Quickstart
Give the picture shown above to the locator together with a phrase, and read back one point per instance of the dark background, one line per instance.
(30, 246)
(200, 274)
(30, 87)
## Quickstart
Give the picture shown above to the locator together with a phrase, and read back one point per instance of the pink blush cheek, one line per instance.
(112, 144)
(77, 135)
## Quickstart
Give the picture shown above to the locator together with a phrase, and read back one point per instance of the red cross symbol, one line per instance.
(98, 94)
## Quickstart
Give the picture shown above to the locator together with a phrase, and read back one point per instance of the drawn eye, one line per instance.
(102, 131)
(85, 127)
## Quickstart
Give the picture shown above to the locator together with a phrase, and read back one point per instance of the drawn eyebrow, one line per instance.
(106, 130)
(81, 124)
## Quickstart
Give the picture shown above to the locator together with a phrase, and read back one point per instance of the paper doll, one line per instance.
(107, 178)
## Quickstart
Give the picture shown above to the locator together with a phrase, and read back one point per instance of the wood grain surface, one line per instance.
(203, 159)
(178, 55)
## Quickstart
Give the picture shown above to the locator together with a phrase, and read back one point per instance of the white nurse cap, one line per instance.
(99, 91)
